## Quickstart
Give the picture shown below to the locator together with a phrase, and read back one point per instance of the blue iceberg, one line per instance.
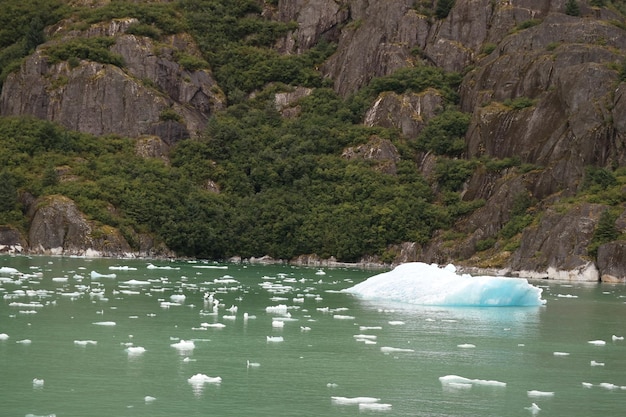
(423, 284)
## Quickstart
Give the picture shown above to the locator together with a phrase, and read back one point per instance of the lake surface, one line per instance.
(284, 342)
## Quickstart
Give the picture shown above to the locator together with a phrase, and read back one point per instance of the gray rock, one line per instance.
(611, 262)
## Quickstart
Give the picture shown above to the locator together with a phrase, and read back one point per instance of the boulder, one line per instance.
(610, 262)
(11, 240)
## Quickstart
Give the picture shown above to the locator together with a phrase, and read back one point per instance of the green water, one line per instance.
(57, 303)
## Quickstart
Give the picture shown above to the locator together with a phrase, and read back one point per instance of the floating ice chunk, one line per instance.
(105, 323)
(305, 329)
(365, 328)
(594, 363)
(96, 275)
(455, 379)
(151, 266)
(85, 342)
(213, 325)
(148, 399)
(534, 409)
(24, 342)
(566, 296)
(60, 279)
(387, 350)
(536, 393)
(280, 309)
(38, 383)
(597, 342)
(252, 364)
(608, 385)
(365, 336)
(587, 384)
(122, 268)
(354, 400)
(466, 346)
(419, 283)
(615, 338)
(6, 270)
(184, 345)
(374, 407)
(396, 323)
(4, 336)
(198, 381)
(136, 282)
(275, 339)
(561, 354)
(343, 317)
(178, 298)
(331, 385)
(278, 324)
(135, 350)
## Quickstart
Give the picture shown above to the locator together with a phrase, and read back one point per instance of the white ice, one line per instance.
(95, 275)
(466, 346)
(536, 393)
(423, 284)
(6, 270)
(198, 381)
(614, 338)
(148, 399)
(387, 350)
(135, 350)
(105, 323)
(136, 282)
(85, 342)
(560, 353)
(374, 407)
(597, 342)
(38, 383)
(534, 408)
(594, 363)
(4, 336)
(354, 400)
(455, 379)
(275, 339)
(184, 345)
(280, 309)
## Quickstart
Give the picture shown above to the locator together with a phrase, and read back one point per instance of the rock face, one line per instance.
(152, 94)
(11, 240)
(611, 262)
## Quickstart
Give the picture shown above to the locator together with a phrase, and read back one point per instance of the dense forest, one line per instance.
(285, 185)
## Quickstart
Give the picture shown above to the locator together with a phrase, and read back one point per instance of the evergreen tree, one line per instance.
(572, 8)
(443, 8)
(8, 192)
(50, 177)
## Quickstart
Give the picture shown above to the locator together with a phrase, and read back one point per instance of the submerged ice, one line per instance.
(423, 284)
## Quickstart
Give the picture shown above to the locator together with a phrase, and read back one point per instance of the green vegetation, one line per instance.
(443, 8)
(572, 8)
(605, 232)
(94, 49)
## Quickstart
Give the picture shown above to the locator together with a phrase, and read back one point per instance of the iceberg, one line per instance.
(423, 284)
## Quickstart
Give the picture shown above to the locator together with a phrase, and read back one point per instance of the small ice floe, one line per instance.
(4, 336)
(354, 400)
(275, 339)
(615, 338)
(178, 298)
(136, 282)
(252, 364)
(364, 337)
(594, 363)
(198, 381)
(587, 384)
(388, 350)
(85, 342)
(608, 385)
(60, 279)
(213, 325)
(278, 324)
(149, 399)
(466, 346)
(560, 353)
(151, 266)
(536, 393)
(331, 385)
(396, 323)
(96, 275)
(280, 309)
(7, 270)
(305, 329)
(374, 407)
(24, 342)
(365, 328)
(343, 317)
(534, 408)
(135, 350)
(122, 268)
(597, 342)
(104, 323)
(455, 380)
(184, 345)
(566, 296)
(320, 272)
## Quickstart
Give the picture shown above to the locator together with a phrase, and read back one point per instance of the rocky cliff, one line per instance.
(542, 87)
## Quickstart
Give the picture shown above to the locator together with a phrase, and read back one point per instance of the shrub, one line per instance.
(444, 134)
(93, 49)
